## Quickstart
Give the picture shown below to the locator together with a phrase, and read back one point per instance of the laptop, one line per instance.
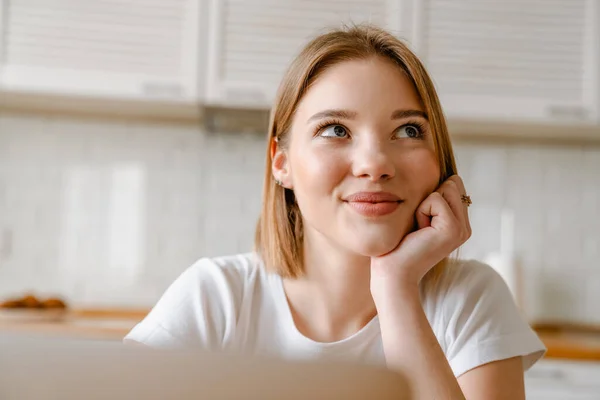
(39, 368)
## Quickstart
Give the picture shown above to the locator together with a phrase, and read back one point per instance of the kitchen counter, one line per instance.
(573, 342)
(80, 324)
(563, 341)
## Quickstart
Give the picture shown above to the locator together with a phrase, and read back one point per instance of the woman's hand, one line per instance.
(443, 225)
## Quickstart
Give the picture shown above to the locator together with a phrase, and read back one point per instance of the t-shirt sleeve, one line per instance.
(197, 310)
(481, 321)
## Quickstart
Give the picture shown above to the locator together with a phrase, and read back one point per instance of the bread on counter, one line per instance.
(31, 302)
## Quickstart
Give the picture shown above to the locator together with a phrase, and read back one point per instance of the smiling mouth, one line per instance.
(379, 209)
(373, 204)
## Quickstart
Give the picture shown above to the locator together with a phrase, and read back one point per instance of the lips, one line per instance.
(373, 197)
(373, 204)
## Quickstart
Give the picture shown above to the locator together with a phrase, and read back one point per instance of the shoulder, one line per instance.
(213, 279)
(201, 307)
(465, 284)
(476, 319)
(237, 266)
(467, 289)
(472, 277)
(233, 271)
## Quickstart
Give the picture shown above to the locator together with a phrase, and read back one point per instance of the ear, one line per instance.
(280, 165)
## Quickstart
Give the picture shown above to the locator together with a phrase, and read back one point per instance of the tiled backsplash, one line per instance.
(110, 212)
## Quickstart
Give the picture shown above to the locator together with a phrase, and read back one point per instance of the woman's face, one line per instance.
(360, 158)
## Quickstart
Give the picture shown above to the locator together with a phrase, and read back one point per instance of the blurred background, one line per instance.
(132, 139)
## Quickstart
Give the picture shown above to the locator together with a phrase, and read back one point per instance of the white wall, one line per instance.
(108, 213)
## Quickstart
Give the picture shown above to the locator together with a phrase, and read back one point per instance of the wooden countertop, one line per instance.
(569, 341)
(564, 341)
(81, 324)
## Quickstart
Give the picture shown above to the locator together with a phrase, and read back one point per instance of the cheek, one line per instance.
(317, 171)
(421, 171)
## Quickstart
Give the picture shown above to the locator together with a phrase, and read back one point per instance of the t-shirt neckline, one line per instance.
(365, 333)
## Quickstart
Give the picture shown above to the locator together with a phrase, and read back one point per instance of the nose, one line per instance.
(372, 161)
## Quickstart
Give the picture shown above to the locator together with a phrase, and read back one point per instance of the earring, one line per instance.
(278, 182)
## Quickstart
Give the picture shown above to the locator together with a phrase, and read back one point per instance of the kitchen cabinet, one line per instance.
(523, 61)
(501, 67)
(146, 50)
(251, 42)
(3, 6)
(563, 380)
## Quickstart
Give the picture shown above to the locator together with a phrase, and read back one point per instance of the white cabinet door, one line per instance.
(251, 42)
(3, 7)
(125, 49)
(514, 60)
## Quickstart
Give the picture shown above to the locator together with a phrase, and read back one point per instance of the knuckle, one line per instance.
(448, 184)
(436, 196)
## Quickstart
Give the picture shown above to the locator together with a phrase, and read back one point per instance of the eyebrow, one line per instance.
(401, 114)
(341, 114)
(346, 114)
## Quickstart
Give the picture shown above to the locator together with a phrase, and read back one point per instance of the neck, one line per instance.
(333, 299)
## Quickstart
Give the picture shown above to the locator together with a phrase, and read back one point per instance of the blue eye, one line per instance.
(335, 131)
(410, 131)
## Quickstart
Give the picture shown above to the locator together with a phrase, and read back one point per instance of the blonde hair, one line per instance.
(279, 233)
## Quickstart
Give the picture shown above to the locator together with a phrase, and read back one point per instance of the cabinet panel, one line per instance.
(525, 60)
(252, 41)
(129, 49)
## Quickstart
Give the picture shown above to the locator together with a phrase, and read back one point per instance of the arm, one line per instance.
(416, 353)
(409, 343)
(495, 381)
(412, 349)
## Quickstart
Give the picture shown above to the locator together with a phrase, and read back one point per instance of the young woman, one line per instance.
(362, 208)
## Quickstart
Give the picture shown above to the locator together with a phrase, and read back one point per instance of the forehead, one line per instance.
(370, 86)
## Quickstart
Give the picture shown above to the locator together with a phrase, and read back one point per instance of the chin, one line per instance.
(374, 240)
(373, 246)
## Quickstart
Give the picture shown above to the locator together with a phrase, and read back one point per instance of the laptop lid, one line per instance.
(47, 369)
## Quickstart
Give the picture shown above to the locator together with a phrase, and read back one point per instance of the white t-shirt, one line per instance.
(232, 303)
